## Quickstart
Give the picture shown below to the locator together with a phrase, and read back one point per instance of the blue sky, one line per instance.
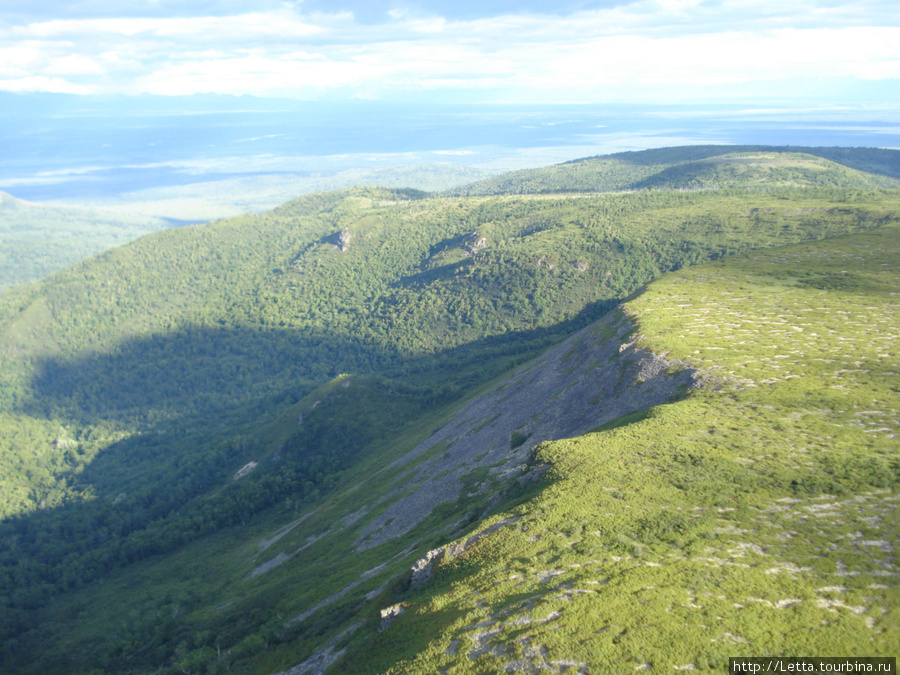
(808, 52)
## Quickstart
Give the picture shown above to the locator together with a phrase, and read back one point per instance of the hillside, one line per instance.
(708, 166)
(763, 170)
(39, 239)
(758, 515)
(36, 240)
(246, 432)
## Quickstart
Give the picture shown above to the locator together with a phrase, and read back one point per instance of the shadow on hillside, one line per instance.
(194, 373)
(202, 399)
(210, 380)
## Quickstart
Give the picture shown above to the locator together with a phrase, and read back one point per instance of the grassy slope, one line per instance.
(757, 516)
(762, 170)
(203, 321)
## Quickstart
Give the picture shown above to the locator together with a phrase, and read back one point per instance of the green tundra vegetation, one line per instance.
(760, 515)
(192, 426)
(699, 167)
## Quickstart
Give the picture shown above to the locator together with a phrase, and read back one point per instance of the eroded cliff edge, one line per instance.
(593, 377)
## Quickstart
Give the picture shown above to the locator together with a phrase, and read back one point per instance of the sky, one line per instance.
(824, 52)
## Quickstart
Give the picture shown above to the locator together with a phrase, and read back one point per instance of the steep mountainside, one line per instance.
(754, 508)
(758, 515)
(231, 442)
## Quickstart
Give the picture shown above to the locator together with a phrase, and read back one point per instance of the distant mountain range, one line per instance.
(628, 412)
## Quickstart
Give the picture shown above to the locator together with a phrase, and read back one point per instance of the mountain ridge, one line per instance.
(636, 169)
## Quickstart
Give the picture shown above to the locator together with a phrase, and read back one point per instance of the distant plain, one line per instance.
(203, 157)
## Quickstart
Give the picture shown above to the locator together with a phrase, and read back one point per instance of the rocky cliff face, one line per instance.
(595, 376)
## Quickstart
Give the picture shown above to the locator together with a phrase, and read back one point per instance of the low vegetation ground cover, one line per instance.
(758, 516)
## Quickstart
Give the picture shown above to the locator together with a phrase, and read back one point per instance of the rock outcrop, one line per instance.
(344, 239)
(420, 572)
(595, 376)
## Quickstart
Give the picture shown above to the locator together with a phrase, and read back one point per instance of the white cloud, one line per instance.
(56, 85)
(74, 64)
(256, 74)
(593, 55)
(272, 24)
(726, 57)
(20, 60)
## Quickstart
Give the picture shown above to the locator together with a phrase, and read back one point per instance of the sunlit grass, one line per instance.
(757, 516)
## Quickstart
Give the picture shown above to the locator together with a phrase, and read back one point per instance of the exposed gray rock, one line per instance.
(365, 576)
(420, 572)
(266, 566)
(421, 569)
(244, 470)
(266, 543)
(351, 518)
(388, 614)
(595, 376)
(344, 239)
(475, 243)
